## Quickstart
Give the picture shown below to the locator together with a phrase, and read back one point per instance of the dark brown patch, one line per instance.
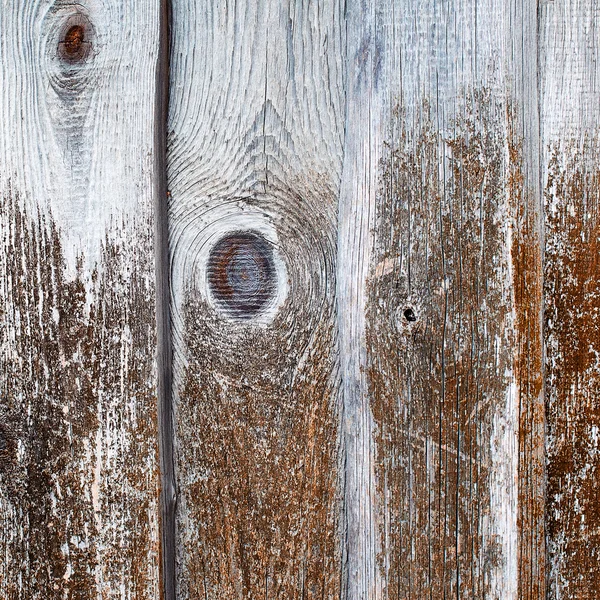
(75, 42)
(572, 336)
(9, 438)
(241, 273)
(437, 382)
(79, 503)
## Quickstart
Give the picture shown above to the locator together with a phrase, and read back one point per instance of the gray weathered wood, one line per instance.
(256, 132)
(363, 145)
(78, 409)
(570, 109)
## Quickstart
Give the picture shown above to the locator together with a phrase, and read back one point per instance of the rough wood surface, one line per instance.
(453, 363)
(255, 158)
(570, 108)
(357, 260)
(78, 425)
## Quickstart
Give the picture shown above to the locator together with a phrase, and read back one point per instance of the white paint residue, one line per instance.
(504, 495)
(97, 480)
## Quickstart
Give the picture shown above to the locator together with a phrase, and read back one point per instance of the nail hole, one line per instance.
(409, 315)
(241, 273)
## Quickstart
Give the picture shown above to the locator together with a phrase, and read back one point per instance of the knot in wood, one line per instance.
(74, 40)
(409, 315)
(241, 273)
(74, 45)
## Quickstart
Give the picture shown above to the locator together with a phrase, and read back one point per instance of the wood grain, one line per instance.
(570, 105)
(255, 151)
(452, 301)
(78, 425)
(365, 99)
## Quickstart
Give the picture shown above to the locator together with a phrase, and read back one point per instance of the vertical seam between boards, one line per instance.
(164, 350)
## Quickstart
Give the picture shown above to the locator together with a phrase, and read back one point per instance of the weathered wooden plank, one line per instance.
(570, 108)
(365, 98)
(78, 426)
(447, 419)
(255, 158)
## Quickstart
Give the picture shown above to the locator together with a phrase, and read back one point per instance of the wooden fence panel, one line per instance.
(78, 411)
(570, 108)
(445, 409)
(368, 250)
(255, 156)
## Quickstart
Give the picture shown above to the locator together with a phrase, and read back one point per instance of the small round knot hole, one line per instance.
(74, 40)
(409, 315)
(74, 45)
(241, 273)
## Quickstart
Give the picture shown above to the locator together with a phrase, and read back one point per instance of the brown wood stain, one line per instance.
(70, 376)
(528, 290)
(437, 380)
(572, 336)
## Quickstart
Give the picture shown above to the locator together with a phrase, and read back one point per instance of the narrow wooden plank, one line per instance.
(255, 158)
(526, 214)
(570, 103)
(449, 410)
(78, 425)
(365, 118)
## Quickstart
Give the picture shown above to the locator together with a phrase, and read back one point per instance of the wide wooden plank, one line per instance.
(570, 108)
(255, 157)
(78, 409)
(445, 493)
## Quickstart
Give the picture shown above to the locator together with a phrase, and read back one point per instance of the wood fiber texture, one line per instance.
(570, 109)
(367, 300)
(255, 158)
(79, 477)
(372, 426)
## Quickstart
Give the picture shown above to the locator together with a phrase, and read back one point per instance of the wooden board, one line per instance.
(445, 429)
(570, 108)
(78, 408)
(255, 157)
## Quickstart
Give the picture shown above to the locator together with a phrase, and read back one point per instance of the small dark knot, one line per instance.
(409, 315)
(74, 45)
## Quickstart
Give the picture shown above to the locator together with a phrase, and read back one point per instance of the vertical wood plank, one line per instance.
(570, 102)
(526, 256)
(255, 157)
(449, 411)
(78, 425)
(363, 145)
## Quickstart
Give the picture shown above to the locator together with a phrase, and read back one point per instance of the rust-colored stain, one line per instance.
(78, 450)
(258, 440)
(75, 43)
(74, 40)
(241, 273)
(572, 336)
(527, 251)
(439, 344)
